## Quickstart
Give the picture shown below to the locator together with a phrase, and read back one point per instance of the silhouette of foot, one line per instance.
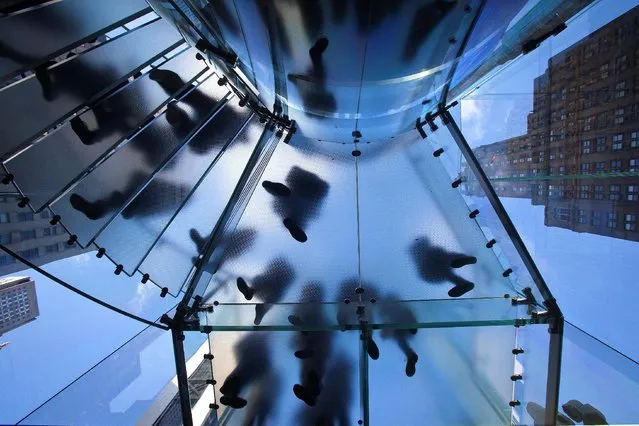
(318, 49)
(413, 331)
(372, 349)
(260, 311)
(305, 395)
(411, 362)
(44, 78)
(574, 409)
(276, 188)
(295, 320)
(463, 261)
(592, 416)
(175, 115)
(170, 81)
(243, 287)
(233, 401)
(538, 414)
(295, 231)
(90, 210)
(305, 353)
(81, 129)
(231, 386)
(461, 289)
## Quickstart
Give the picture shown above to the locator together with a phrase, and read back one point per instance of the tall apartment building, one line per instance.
(30, 235)
(580, 155)
(18, 302)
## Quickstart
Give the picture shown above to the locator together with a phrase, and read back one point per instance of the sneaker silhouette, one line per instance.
(305, 395)
(90, 210)
(295, 231)
(243, 287)
(411, 363)
(461, 288)
(463, 261)
(260, 311)
(304, 353)
(233, 401)
(372, 349)
(276, 188)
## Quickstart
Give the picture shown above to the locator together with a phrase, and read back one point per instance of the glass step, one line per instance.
(172, 257)
(91, 205)
(68, 154)
(134, 232)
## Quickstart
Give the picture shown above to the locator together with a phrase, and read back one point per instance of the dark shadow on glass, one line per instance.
(253, 363)
(299, 200)
(436, 265)
(424, 22)
(575, 410)
(263, 399)
(269, 286)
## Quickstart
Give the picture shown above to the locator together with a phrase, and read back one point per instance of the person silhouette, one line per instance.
(312, 85)
(313, 347)
(393, 311)
(262, 399)
(299, 200)
(253, 363)
(435, 264)
(575, 411)
(232, 247)
(333, 405)
(269, 286)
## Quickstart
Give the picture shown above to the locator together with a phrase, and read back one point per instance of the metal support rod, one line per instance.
(182, 376)
(363, 375)
(555, 348)
(492, 196)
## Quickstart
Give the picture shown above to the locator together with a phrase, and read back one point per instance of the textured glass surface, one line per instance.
(174, 254)
(380, 315)
(261, 369)
(415, 228)
(39, 103)
(146, 216)
(37, 35)
(101, 195)
(88, 138)
(321, 204)
(598, 384)
(462, 377)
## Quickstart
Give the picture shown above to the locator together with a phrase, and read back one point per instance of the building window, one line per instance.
(634, 165)
(585, 168)
(634, 140)
(46, 232)
(621, 62)
(53, 248)
(585, 147)
(4, 217)
(619, 115)
(27, 235)
(617, 142)
(620, 89)
(30, 253)
(7, 260)
(562, 214)
(603, 70)
(25, 216)
(587, 126)
(584, 192)
(615, 165)
(46, 214)
(630, 222)
(581, 217)
(562, 169)
(5, 238)
(615, 191)
(612, 220)
(601, 144)
(600, 167)
(598, 192)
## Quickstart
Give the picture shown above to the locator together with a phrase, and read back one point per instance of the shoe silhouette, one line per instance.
(233, 401)
(276, 188)
(411, 364)
(372, 349)
(295, 231)
(305, 395)
(304, 353)
(90, 210)
(463, 261)
(243, 287)
(461, 288)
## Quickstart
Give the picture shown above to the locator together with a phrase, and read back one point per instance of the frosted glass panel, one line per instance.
(92, 204)
(415, 228)
(462, 376)
(77, 145)
(129, 237)
(174, 254)
(262, 370)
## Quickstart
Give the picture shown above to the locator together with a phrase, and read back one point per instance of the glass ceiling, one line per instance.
(328, 212)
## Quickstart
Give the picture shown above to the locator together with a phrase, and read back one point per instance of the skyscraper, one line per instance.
(18, 302)
(581, 149)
